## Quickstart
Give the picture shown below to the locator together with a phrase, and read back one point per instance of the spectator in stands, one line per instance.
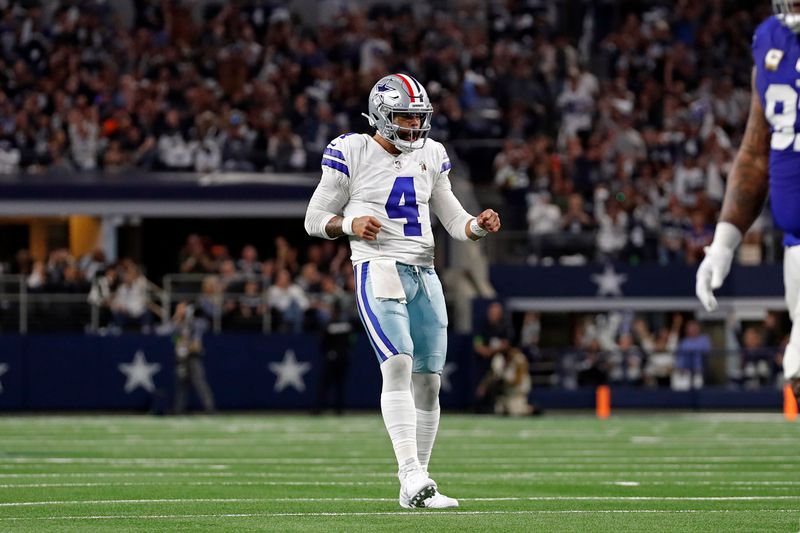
(577, 228)
(208, 153)
(130, 302)
(84, 135)
(697, 237)
(674, 227)
(626, 361)
(92, 263)
(660, 350)
(612, 232)
(72, 94)
(592, 367)
(757, 359)
(193, 257)
(689, 179)
(23, 263)
(544, 220)
(10, 156)
(324, 301)
(577, 104)
(238, 144)
(251, 307)
(286, 256)
(101, 294)
(248, 264)
(690, 360)
(309, 279)
(175, 149)
(229, 279)
(287, 303)
(512, 177)
(114, 159)
(530, 333)
(210, 301)
(285, 149)
(37, 279)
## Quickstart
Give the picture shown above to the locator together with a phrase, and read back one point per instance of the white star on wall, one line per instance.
(290, 372)
(609, 283)
(447, 371)
(3, 370)
(139, 373)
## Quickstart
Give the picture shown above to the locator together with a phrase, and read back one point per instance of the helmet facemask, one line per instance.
(788, 12)
(394, 102)
(407, 139)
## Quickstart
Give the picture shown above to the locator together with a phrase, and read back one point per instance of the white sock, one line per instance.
(400, 419)
(427, 426)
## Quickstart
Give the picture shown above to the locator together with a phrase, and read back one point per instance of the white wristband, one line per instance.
(476, 229)
(726, 236)
(347, 225)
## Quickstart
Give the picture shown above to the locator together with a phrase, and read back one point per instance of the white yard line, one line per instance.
(322, 500)
(419, 513)
(471, 479)
(336, 472)
(197, 483)
(785, 460)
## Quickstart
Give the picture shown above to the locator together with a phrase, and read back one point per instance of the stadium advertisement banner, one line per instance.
(247, 371)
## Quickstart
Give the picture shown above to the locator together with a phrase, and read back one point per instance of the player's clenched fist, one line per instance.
(366, 228)
(489, 220)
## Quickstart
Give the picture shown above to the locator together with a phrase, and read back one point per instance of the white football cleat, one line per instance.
(427, 498)
(415, 488)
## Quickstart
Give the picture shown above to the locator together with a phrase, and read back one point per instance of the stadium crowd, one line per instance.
(623, 349)
(292, 293)
(296, 290)
(613, 141)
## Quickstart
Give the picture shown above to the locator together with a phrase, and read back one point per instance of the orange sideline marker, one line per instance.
(603, 401)
(789, 403)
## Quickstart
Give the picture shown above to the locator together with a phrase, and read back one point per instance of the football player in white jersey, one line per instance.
(380, 190)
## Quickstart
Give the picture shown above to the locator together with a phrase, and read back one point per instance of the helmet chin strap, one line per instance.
(370, 120)
(401, 144)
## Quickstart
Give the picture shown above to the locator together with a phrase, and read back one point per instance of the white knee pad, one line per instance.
(426, 391)
(396, 372)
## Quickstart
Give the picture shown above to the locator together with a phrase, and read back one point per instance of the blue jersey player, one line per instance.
(768, 159)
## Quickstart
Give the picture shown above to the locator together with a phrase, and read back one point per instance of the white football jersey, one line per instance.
(400, 191)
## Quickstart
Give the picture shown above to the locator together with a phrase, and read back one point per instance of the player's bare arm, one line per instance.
(334, 227)
(744, 198)
(366, 227)
(748, 180)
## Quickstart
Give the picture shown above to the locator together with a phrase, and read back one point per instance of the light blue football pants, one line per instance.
(417, 328)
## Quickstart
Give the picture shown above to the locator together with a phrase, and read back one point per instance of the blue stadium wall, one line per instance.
(80, 372)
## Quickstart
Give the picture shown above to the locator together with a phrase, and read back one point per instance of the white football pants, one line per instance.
(791, 283)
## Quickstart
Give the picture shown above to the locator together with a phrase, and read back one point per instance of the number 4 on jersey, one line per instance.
(402, 203)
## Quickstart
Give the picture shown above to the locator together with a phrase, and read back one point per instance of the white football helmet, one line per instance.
(788, 12)
(400, 94)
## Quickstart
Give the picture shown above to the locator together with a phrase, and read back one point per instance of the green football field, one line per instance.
(654, 472)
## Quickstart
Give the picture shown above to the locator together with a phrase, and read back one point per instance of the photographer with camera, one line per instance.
(188, 326)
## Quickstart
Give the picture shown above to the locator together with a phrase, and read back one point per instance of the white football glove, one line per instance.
(717, 264)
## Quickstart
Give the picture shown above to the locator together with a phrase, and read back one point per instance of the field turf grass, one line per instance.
(656, 472)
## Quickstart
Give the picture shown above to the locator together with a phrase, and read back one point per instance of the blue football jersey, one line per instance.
(776, 54)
